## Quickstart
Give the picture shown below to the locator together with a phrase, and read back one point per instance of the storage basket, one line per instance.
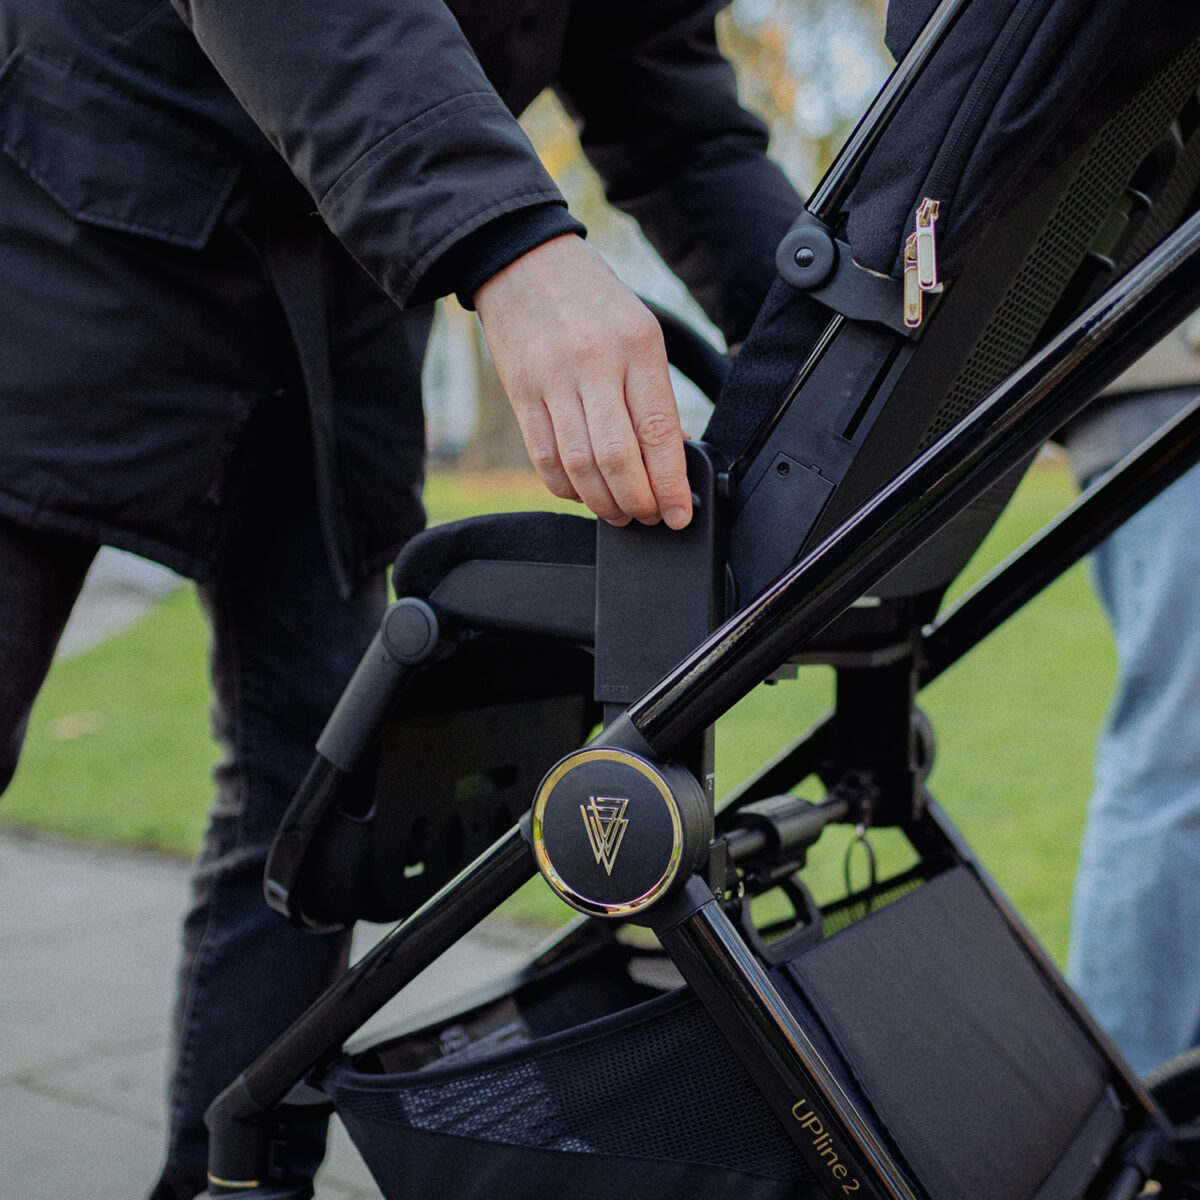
(589, 1080)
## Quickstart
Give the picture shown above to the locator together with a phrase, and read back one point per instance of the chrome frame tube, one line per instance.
(1132, 483)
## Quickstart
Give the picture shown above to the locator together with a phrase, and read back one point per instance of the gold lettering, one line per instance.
(822, 1143)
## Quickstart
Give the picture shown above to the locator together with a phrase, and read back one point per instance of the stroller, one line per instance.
(1012, 224)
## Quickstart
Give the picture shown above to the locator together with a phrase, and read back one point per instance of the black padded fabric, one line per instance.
(541, 537)
(646, 1102)
(417, 1165)
(928, 1011)
(905, 20)
(1015, 87)
(975, 1069)
(788, 323)
(1013, 84)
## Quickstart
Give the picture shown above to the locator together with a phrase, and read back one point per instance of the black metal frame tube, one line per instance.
(1144, 473)
(1128, 486)
(831, 193)
(394, 962)
(1016, 418)
(778, 1054)
(379, 975)
(1011, 423)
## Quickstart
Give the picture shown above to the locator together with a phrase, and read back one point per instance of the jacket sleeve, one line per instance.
(381, 110)
(659, 118)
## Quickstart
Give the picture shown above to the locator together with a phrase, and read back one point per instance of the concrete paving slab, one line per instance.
(126, 1080)
(120, 588)
(56, 889)
(89, 937)
(52, 1149)
(88, 948)
(344, 1175)
(88, 944)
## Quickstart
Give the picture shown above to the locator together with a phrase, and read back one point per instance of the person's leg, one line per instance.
(284, 646)
(1135, 940)
(40, 578)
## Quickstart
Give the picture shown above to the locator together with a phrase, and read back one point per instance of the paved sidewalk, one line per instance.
(87, 958)
(120, 588)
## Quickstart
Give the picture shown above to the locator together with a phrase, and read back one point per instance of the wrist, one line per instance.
(487, 251)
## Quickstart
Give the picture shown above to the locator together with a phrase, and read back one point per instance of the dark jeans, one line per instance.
(284, 644)
(40, 578)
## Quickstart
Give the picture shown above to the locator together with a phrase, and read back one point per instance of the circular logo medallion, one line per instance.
(608, 832)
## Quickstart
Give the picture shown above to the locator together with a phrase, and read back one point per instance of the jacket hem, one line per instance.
(99, 533)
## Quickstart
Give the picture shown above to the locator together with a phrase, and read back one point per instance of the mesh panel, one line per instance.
(1067, 237)
(665, 1086)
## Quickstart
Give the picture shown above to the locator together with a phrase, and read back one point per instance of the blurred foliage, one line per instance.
(809, 68)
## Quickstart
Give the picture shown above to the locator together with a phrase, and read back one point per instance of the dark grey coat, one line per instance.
(178, 327)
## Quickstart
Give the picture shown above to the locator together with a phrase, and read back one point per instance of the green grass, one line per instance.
(1016, 722)
(118, 750)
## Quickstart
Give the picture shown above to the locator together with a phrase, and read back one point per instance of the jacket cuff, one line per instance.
(484, 252)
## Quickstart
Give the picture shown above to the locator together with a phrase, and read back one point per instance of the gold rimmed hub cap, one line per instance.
(613, 832)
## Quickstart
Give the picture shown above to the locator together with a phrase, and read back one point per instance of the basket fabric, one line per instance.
(645, 1103)
(942, 1030)
(963, 1052)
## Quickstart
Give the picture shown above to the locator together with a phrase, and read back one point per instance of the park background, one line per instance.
(118, 749)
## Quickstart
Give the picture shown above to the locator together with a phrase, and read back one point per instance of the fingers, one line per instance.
(559, 441)
(537, 431)
(595, 454)
(654, 417)
(619, 450)
(585, 369)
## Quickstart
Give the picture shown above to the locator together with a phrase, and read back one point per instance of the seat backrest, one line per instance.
(1050, 170)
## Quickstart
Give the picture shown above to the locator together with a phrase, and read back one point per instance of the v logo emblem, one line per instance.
(604, 819)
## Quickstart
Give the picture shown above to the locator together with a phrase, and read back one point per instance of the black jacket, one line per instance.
(169, 291)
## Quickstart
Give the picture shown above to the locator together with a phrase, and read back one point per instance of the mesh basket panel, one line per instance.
(854, 908)
(664, 1085)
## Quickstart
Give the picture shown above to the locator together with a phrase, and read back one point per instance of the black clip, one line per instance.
(810, 259)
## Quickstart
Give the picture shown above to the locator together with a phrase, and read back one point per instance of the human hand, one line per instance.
(583, 363)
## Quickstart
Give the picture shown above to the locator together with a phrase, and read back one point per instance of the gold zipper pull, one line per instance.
(926, 235)
(913, 297)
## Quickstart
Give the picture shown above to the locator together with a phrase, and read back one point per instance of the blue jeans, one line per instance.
(1135, 939)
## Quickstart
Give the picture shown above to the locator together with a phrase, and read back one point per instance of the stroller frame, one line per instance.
(671, 718)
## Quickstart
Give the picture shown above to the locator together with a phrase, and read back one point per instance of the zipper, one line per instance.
(945, 171)
(920, 262)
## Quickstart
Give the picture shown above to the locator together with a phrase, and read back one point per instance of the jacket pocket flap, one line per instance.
(109, 158)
